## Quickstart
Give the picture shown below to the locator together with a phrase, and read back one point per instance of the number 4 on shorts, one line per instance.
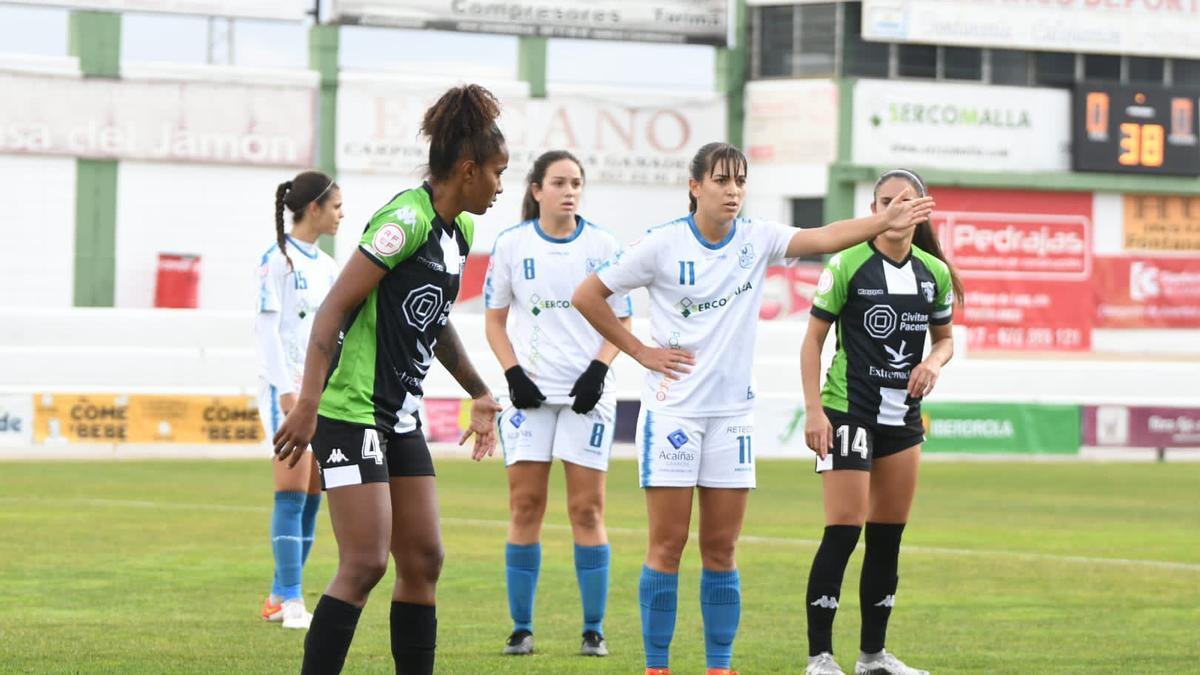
(370, 446)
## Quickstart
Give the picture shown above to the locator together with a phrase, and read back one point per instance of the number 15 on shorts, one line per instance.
(853, 448)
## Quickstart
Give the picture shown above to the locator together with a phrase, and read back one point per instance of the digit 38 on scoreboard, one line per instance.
(1136, 129)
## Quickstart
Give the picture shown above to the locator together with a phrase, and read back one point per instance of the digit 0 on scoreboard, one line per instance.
(1124, 129)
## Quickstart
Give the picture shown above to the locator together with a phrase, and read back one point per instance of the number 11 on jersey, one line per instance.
(687, 273)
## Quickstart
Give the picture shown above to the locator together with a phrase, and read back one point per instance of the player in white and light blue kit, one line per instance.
(562, 398)
(294, 276)
(704, 274)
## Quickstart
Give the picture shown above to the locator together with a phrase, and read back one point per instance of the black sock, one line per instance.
(414, 638)
(825, 584)
(877, 588)
(329, 636)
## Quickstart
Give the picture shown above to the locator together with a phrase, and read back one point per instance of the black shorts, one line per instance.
(353, 454)
(856, 443)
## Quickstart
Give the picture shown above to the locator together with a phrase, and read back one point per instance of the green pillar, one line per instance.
(531, 64)
(839, 196)
(731, 76)
(323, 47)
(95, 38)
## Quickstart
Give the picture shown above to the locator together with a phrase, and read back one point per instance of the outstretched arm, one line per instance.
(902, 213)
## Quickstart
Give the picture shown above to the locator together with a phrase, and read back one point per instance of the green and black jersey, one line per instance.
(883, 309)
(387, 342)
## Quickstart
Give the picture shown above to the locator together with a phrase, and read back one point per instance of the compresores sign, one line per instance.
(1135, 27)
(236, 123)
(959, 126)
(290, 10)
(698, 21)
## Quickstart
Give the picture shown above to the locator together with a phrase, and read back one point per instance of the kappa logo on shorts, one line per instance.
(517, 420)
(677, 438)
(337, 456)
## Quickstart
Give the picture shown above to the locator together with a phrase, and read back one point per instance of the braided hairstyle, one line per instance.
(296, 194)
(462, 124)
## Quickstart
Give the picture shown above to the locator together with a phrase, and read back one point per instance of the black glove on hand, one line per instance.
(589, 387)
(523, 392)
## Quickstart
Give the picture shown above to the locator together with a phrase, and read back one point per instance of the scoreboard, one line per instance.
(1136, 129)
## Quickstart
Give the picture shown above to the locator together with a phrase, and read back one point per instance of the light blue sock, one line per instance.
(591, 569)
(286, 542)
(308, 524)
(522, 563)
(721, 607)
(658, 594)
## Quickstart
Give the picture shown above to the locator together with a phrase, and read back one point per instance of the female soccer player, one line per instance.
(392, 304)
(704, 273)
(293, 278)
(865, 425)
(557, 371)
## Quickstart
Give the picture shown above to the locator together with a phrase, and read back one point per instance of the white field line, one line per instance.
(633, 531)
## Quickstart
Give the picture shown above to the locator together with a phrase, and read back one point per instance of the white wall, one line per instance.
(37, 235)
(625, 210)
(225, 214)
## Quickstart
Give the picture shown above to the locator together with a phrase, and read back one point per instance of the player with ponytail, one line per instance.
(360, 396)
(294, 276)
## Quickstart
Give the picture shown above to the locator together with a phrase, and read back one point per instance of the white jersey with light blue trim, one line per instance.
(704, 299)
(295, 292)
(535, 275)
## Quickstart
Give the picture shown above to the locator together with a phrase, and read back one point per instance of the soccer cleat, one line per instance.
(593, 644)
(823, 664)
(658, 671)
(272, 612)
(720, 671)
(295, 615)
(884, 663)
(519, 643)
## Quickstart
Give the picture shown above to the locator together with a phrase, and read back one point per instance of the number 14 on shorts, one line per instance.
(851, 449)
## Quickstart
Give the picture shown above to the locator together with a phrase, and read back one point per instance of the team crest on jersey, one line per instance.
(388, 240)
(746, 256)
(677, 438)
(927, 290)
(825, 283)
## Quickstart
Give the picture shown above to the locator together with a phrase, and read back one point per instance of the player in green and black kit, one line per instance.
(865, 425)
(392, 305)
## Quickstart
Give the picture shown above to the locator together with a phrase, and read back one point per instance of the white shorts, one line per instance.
(269, 411)
(689, 451)
(549, 431)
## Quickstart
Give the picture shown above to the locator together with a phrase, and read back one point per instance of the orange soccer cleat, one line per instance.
(272, 612)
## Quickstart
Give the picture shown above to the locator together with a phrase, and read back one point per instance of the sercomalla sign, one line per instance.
(1141, 27)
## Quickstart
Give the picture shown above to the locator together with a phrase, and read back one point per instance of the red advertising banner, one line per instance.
(1025, 258)
(1147, 292)
(1141, 426)
(789, 291)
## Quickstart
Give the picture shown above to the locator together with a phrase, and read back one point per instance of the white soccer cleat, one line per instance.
(884, 663)
(295, 615)
(823, 664)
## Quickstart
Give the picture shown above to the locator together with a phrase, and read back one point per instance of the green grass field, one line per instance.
(160, 567)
